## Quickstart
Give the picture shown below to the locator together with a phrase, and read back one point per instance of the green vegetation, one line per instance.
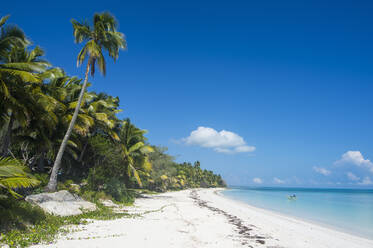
(103, 34)
(13, 175)
(25, 224)
(169, 175)
(56, 134)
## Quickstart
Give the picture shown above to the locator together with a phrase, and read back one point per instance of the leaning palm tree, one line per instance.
(103, 35)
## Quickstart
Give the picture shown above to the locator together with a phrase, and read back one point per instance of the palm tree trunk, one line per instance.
(83, 151)
(7, 137)
(52, 185)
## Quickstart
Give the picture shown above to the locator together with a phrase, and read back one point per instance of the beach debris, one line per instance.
(242, 229)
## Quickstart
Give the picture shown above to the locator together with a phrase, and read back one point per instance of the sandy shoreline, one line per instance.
(203, 218)
(293, 218)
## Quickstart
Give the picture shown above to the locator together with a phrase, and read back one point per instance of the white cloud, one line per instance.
(257, 180)
(322, 171)
(245, 148)
(238, 149)
(352, 176)
(366, 181)
(355, 158)
(223, 141)
(279, 181)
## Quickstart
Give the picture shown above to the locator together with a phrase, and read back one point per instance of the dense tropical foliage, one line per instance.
(39, 103)
(56, 134)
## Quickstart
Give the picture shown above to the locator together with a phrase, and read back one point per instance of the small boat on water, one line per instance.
(292, 197)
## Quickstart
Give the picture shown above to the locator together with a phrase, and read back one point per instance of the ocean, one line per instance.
(348, 210)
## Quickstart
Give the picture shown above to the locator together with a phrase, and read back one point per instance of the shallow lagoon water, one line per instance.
(349, 210)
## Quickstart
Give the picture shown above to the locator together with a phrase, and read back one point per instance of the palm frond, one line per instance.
(13, 175)
(136, 147)
(81, 32)
(103, 34)
(3, 20)
(19, 182)
(23, 75)
(146, 149)
(135, 174)
(34, 67)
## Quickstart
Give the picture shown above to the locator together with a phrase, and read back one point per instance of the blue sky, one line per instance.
(294, 79)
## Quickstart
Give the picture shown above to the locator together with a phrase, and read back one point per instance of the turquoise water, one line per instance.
(349, 210)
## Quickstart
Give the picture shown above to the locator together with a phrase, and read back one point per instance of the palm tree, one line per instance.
(135, 151)
(102, 36)
(44, 117)
(14, 175)
(10, 36)
(19, 75)
(102, 108)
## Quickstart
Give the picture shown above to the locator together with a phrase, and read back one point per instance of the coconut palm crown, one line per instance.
(103, 35)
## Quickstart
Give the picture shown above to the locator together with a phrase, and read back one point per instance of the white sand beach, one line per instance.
(203, 218)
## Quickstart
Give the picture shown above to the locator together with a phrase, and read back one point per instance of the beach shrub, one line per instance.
(117, 189)
(126, 197)
(24, 224)
(45, 231)
(61, 186)
(43, 178)
(68, 183)
(88, 195)
(97, 177)
(18, 214)
(104, 179)
(94, 196)
(74, 188)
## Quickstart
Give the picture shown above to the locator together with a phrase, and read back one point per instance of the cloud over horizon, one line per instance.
(322, 171)
(222, 142)
(257, 180)
(355, 158)
(352, 176)
(278, 180)
(366, 181)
